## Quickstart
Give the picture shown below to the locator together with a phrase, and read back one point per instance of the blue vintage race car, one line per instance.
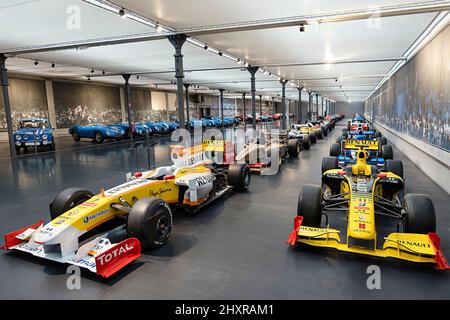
(195, 123)
(158, 127)
(228, 121)
(97, 132)
(173, 125)
(139, 129)
(207, 123)
(34, 132)
(346, 151)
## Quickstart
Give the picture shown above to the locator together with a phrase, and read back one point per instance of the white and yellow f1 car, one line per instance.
(364, 194)
(141, 208)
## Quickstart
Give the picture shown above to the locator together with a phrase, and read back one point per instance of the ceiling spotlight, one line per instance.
(89, 78)
(92, 71)
(239, 61)
(103, 72)
(220, 53)
(302, 27)
(122, 13)
(137, 76)
(36, 62)
(53, 64)
(205, 47)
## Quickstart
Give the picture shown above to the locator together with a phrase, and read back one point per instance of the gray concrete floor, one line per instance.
(233, 249)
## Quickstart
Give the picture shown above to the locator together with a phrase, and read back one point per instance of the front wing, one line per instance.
(98, 255)
(422, 248)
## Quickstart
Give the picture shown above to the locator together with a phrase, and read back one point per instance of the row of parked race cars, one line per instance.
(360, 179)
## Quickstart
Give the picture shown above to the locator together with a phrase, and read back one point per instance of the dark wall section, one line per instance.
(78, 103)
(28, 99)
(349, 109)
(416, 100)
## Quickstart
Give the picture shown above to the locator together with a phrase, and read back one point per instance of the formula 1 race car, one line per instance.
(346, 151)
(141, 208)
(307, 130)
(302, 138)
(366, 195)
(259, 154)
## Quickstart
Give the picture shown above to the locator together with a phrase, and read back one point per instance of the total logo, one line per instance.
(106, 258)
(94, 216)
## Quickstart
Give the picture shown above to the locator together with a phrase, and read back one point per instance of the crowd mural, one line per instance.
(416, 102)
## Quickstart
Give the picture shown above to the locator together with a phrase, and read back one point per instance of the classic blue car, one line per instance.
(195, 123)
(228, 121)
(34, 132)
(173, 125)
(97, 132)
(158, 127)
(207, 123)
(139, 129)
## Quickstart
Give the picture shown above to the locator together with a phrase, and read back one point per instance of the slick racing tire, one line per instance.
(394, 166)
(98, 138)
(320, 135)
(335, 149)
(387, 152)
(313, 138)
(150, 221)
(76, 137)
(377, 134)
(239, 177)
(420, 215)
(382, 141)
(293, 148)
(325, 130)
(68, 199)
(310, 205)
(329, 163)
(340, 139)
(17, 149)
(51, 146)
(306, 144)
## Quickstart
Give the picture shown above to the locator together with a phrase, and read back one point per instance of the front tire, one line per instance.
(310, 205)
(387, 152)
(76, 137)
(17, 149)
(150, 221)
(420, 214)
(293, 148)
(98, 138)
(68, 199)
(335, 149)
(329, 163)
(239, 177)
(394, 166)
(306, 144)
(313, 137)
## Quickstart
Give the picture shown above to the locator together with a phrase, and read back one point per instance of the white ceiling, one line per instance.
(40, 22)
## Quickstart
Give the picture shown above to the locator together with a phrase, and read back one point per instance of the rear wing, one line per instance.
(352, 144)
(208, 151)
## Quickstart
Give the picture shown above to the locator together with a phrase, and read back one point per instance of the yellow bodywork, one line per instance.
(361, 224)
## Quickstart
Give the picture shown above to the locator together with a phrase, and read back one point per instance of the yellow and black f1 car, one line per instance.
(364, 194)
(141, 208)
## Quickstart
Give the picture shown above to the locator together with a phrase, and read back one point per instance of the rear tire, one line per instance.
(313, 137)
(387, 152)
(320, 135)
(420, 214)
(335, 149)
(377, 134)
(329, 163)
(306, 144)
(239, 177)
(394, 166)
(293, 148)
(310, 205)
(68, 199)
(150, 221)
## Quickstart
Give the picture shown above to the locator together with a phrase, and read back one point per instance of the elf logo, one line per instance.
(362, 226)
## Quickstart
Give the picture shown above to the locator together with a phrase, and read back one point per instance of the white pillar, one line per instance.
(50, 102)
(122, 104)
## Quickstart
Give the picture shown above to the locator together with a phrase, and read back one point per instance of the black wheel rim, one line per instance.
(162, 226)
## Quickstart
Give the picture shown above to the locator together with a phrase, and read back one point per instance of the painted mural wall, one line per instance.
(416, 100)
(79, 103)
(28, 99)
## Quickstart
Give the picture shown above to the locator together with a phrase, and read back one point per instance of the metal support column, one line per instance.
(186, 87)
(309, 116)
(177, 40)
(260, 105)
(127, 97)
(221, 105)
(285, 109)
(299, 104)
(317, 107)
(244, 112)
(7, 106)
(252, 71)
(321, 111)
(273, 105)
